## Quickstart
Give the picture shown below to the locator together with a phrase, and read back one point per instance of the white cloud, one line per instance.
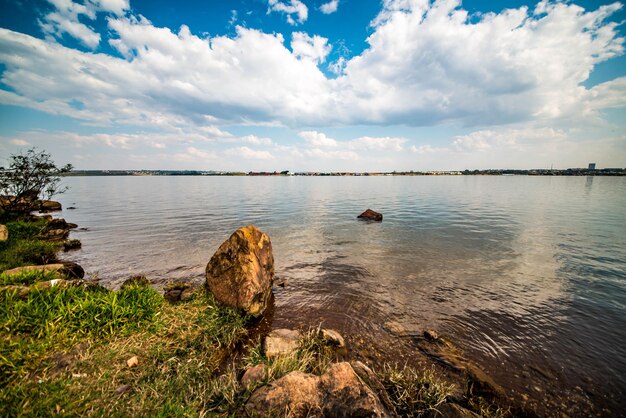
(19, 142)
(314, 47)
(248, 153)
(317, 139)
(65, 19)
(512, 138)
(330, 7)
(291, 8)
(380, 143)
(426, 63)
(331, 155)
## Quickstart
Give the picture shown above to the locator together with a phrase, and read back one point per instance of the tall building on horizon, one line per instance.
(592, 166)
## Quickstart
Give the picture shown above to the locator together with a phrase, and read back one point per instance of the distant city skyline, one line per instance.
(319, 85)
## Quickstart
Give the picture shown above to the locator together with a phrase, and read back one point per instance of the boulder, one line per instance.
(57, 268)
(72, 270)
(337, 393)
(346, 395)
(4, 233)
(241, 272)
(72, 244)
(50, 205)
(67, 269)
(370, 215)
(280, 342)
(55, 235)
(293, 395)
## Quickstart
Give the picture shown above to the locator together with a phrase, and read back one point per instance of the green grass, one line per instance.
(313, 355)
(27, 277)
(23, 248)
(181, 350)
(414, 393)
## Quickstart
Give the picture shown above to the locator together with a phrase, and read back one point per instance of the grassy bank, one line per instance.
(23, 247)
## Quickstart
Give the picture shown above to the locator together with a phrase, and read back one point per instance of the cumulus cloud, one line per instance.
(19, 142)
(426, 63)
(331, 155)
(317, 139)
(512, 138)
(380, 143)
(315, 48)
(294, 10)
(65, 19)
(330, 7)
(248, 153)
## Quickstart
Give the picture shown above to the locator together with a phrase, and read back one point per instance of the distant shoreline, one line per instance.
(502, 172)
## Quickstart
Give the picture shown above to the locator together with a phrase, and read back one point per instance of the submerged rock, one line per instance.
(337, 393)
(241, 272)
(371, 215)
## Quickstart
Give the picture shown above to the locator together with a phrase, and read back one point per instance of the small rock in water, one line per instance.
(371, 215)
(395, 328)
(431, 335)
(333, 337)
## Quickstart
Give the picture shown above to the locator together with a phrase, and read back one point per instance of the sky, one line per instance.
(314, 85)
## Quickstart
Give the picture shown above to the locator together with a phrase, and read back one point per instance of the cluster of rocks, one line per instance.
(240, 275)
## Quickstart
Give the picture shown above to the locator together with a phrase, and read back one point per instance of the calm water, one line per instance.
(526, 274)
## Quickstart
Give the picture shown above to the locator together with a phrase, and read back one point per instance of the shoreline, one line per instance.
(428, 353)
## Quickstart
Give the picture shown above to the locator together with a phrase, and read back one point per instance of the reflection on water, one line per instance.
(526, 273)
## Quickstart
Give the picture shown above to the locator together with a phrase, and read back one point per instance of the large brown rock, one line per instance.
(241, 272)
(339, 392)
(4, 233)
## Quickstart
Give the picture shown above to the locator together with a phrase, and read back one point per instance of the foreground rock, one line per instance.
(64, 269)
(241, 271)
(371, 215)
(337, 393)
(4, 233)
(280, 342)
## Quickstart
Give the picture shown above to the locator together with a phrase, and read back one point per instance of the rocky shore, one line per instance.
(271, 372)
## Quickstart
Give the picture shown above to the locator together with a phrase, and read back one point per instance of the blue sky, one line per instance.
(318, 85)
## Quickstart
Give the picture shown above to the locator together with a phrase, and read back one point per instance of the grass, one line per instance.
(313, 355)
(65, 350)
(414, 393)
(23, 248)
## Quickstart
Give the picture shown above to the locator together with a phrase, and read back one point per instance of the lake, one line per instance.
(526, 274)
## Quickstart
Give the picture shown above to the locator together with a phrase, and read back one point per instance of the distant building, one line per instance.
(592, 166)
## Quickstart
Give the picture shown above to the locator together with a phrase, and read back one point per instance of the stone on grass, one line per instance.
(280, 342)
(4, 233)
(241, 272)
(254, 374)
(337, 393)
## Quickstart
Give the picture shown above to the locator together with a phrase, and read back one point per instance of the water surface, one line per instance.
(526, 274)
